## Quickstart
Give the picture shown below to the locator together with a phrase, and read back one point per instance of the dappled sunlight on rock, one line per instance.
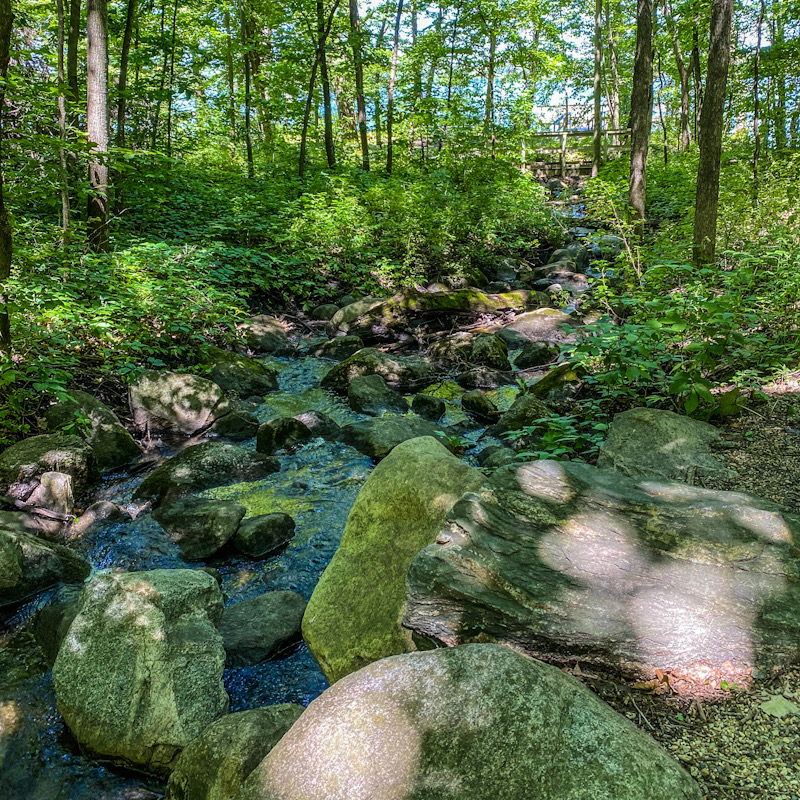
(574, 564)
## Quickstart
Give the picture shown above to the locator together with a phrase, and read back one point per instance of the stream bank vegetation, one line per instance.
(246, 157)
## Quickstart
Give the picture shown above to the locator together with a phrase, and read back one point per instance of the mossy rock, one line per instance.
(403, 373)
(113, 446)
(240, 374)
(218, 761)
(353, 617)
(203, 466)
(50, 452)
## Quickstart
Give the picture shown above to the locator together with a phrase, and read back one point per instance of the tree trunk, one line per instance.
(73, 35)
(376, 102)
(62, 128)
(311, 85)
(355, 41)
(641, 111)
(597, 134)
(162, 74)
(248, 135)
(780, 80)
(392, 78)
(97, 122)
(123, 72)
(231, 86)
(757, 102)
(434, 59)
(683, 77)
(6, 20)
(698, 79)
(612, 86)
(661, 111)
(326, 86)
(488, 114)
(171, 78)
(711, 127)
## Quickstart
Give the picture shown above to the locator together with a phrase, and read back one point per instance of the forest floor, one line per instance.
(735, 749)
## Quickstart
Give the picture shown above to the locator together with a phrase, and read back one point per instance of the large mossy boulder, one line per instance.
(338, 348)
(200, 526)
(377, 437)
(369, 394)
(260, 627)
(541, 325)
(28, 565)
(488, 350)
(649, 442)
(379, 319)
(641, 580)
(266, 335)
(113, 446)
(353, 617)
(139, 674)
(403, 373)
(236, 373)
(216, 763)
(26, 461)
(204, 466)
(480, 722)
(173, 402)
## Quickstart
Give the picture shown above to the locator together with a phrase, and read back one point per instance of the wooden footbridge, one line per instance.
(567, 148)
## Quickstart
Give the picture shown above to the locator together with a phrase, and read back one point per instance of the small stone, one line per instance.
(259, 536)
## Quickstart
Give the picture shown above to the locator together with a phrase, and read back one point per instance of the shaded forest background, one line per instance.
(253, 155)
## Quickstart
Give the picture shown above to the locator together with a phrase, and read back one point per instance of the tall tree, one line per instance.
(597, 134)
(122, 86)
(361, 104)
(683, 76)
(97, 121)
(392, 79)
(641, 112)
(757, 101)
(171, 76)
(73, 35)
(711, 127)
(248, 134)
(62, 127)
(6, 21)
(322, 58)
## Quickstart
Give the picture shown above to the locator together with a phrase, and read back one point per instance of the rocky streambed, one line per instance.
(335, 503)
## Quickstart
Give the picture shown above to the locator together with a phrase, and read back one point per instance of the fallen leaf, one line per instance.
(778, 706)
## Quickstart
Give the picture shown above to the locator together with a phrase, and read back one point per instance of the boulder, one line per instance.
(429, 407)
(478, 405)
(237, 426)
(260, 627)
(203, 466)
(113, 446)
(377, 319)
(453, 350)
(283, 433)
(236, 373)
(541, 325)
(139, 674)
(559, 385)
(641, 580)
(339, 348)
(401, 372)
(260, 536)
(172, 402)
(22, 464)
(319, 424)
(216, 763)
(479, 722)
(54, 493)
(198, 525)
(324, 312)
(266, 335)
(28, 565)
(369, 394)
(484, 378)
(52, 621)
(536, 354)
(648, 442)
(524, 412)
(491, 351)
(377, 437)
(353, 616)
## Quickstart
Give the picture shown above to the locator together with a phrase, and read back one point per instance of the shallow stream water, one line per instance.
(317, 485)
